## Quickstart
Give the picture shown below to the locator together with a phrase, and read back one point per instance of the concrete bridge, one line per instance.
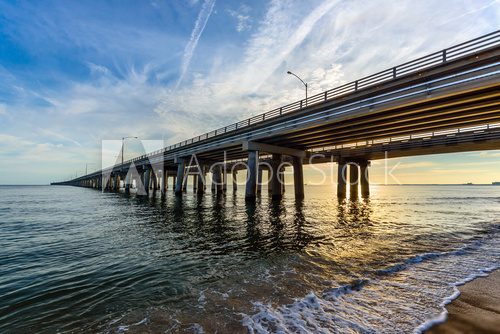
(448, 101)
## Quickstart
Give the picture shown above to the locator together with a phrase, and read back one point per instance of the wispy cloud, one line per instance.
(199, 26)
(242, 16)
(495, 154)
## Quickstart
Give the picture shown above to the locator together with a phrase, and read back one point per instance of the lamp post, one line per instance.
(123, 144)
(86, 167)
(305, 84)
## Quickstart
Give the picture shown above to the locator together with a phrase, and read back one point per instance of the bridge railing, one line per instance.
(420, 135)
(467, 48)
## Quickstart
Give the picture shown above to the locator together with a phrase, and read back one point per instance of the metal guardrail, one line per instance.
(419, 135)
(440, 57)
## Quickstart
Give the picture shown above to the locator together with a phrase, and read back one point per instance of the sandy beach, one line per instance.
(477, 310)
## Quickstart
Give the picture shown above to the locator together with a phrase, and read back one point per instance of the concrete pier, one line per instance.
(146, 183)
(155, 181)
(179, 179)
(195, 182)
(353, 180)
(234, 174)
(298, 177)
(365, 181)
(224, 179)
(217, 185)
(341, 180)
(276, 177)
(200, 180)
(128, 183)
(185, 183)
(259, 181)
(251, 186)
(164, 182)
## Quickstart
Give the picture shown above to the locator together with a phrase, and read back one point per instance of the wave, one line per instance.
(456, 293)
(406, 297)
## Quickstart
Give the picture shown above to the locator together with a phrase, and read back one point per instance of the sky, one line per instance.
(76, 73)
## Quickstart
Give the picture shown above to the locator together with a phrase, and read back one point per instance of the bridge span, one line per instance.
(448, 101)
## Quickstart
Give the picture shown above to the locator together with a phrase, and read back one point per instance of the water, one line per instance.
(77, 260)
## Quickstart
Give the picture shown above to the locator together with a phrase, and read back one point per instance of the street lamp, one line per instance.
(86, 166)
(305, 84)
(123, 144)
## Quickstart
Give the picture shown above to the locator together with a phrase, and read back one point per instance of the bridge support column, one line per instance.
(179, 180)
(217, 181)
(269, 181)
(341, 180)
(234, 174)
(252, 166)
(213, 186)
(155, 181)
(164, 182)
(276, 177)
(200, 180)
(365, 181)
(195, 183)
(298, 177)
(185, 183)
(127, 183)
(224, 178)
(353, 180)
(282, 179)
(259, 181)
(146, 181)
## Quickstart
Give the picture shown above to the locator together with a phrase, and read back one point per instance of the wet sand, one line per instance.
(477, 310)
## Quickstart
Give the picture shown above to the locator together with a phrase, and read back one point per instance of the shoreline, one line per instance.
(474, 310)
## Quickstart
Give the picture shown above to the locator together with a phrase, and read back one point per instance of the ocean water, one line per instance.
(75, 260)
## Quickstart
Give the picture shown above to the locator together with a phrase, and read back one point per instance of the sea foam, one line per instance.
(406, 297)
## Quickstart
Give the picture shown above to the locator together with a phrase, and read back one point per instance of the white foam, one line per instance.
(456, 293)
(197, 328)
(407, 297)
(202, 299)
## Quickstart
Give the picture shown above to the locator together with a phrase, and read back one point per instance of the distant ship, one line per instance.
(468, 184)
(496, 183)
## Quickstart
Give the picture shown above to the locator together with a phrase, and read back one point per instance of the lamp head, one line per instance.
(288, 72)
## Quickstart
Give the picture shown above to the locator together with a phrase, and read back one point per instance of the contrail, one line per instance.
(199, 26)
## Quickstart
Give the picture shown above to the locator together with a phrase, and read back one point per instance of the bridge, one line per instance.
(447, 101)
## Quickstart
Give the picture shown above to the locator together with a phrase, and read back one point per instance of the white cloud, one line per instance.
(490, 154)
(243, 19)
(199, 26)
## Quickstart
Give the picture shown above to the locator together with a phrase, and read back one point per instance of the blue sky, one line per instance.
(74, 73)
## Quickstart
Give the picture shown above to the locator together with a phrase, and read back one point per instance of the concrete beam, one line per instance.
(273, 149)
